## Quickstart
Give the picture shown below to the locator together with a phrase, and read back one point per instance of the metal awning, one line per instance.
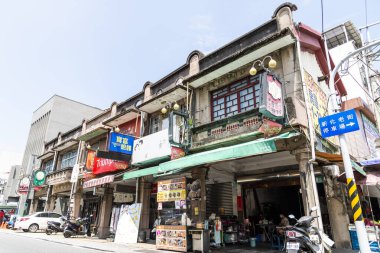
(99, 181)
(66, 144)
(93, 133)
(252, 148)
(46, 155)
(156, 103)
(337, 159)
(122, 118)
(269, 48)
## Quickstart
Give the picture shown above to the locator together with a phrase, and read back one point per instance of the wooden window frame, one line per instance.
(252, 81)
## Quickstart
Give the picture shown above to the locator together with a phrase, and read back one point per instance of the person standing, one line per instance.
(2, 215)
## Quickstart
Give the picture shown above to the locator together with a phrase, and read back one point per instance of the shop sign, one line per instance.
(74, 173)
(177, 153)
(151, 147)
(23, 187)
(39, 178)
(90, 159)
(171, 238)
(98, 181)
(272, 104)
(113, 155)
(119, 197)
(121, 143)
(270, 128)
(371, 134)
(102, 165)
(171, 190)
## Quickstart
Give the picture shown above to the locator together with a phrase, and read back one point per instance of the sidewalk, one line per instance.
(108, 246)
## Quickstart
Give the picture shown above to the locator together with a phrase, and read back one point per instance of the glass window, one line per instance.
(68, 159)
(154, 125)
(54, 215)
(49, 166)
(42, 215)
(237, 97)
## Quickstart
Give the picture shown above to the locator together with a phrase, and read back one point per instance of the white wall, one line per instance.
(353, 81)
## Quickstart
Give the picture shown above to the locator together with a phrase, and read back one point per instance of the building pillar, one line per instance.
(33, 205)
(51, 203)
(337, 210)
(77, 199)
(145, 189)
(199, 204)
(105, 213)
(303, 156)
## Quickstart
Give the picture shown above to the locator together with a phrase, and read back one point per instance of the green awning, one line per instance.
(256, 147)
(358, 168)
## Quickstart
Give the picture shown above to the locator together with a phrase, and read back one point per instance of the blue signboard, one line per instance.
(121, 143)
(339, 123)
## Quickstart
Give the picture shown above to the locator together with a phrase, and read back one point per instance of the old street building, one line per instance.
(232, 134)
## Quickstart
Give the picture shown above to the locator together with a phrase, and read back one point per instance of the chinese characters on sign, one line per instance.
(339, 123)
(272, 105)
(121, 143)
(171, 190)
(102, 165)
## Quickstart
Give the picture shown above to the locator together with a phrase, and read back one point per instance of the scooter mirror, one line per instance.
(291, 216)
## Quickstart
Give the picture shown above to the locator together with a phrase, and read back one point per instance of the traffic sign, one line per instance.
(339, 123)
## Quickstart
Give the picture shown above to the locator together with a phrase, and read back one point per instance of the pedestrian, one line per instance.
(2, 215)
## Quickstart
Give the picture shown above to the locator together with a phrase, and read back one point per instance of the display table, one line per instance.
(201, 239)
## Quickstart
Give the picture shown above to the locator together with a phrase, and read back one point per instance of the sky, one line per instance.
(101, 51)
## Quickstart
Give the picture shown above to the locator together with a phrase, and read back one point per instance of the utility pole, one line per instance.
(353, 194)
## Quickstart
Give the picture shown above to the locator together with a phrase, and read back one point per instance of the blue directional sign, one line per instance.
(339, 123)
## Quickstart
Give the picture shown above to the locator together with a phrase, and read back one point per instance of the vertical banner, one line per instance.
(128, 225)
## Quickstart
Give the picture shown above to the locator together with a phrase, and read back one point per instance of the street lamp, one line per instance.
(260, 63)
(170, 105)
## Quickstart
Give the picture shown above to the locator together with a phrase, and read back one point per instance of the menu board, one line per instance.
(171, 238)
(171, 190)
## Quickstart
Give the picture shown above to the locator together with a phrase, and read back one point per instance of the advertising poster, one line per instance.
(171, 238)
(318, 103)
(171, 190)
(128, 225)
(371, 134)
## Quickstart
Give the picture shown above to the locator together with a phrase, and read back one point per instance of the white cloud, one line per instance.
(201, 23)
(205, 38)
(8, 159)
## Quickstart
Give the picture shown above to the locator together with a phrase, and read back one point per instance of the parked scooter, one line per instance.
(55, 227)
(81, 226)
(303, 237)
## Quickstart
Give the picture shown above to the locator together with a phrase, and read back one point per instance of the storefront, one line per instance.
(214, 200)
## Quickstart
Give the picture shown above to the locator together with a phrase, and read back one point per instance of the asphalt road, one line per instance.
(16, 243)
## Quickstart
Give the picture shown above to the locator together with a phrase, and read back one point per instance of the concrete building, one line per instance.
(10, 191)
(342, 40)
(249, 138)
(58, 114)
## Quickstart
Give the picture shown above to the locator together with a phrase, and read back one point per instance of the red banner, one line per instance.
(102, 165)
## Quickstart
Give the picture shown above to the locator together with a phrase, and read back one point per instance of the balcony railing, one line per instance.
(231, 129)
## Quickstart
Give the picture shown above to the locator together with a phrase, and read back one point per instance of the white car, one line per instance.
(36, 221)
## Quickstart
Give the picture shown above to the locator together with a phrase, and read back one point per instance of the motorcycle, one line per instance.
(55, 227)
(303, 237)
(81, 226)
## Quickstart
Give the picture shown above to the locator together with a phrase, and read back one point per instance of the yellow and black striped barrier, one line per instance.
(354, 199)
